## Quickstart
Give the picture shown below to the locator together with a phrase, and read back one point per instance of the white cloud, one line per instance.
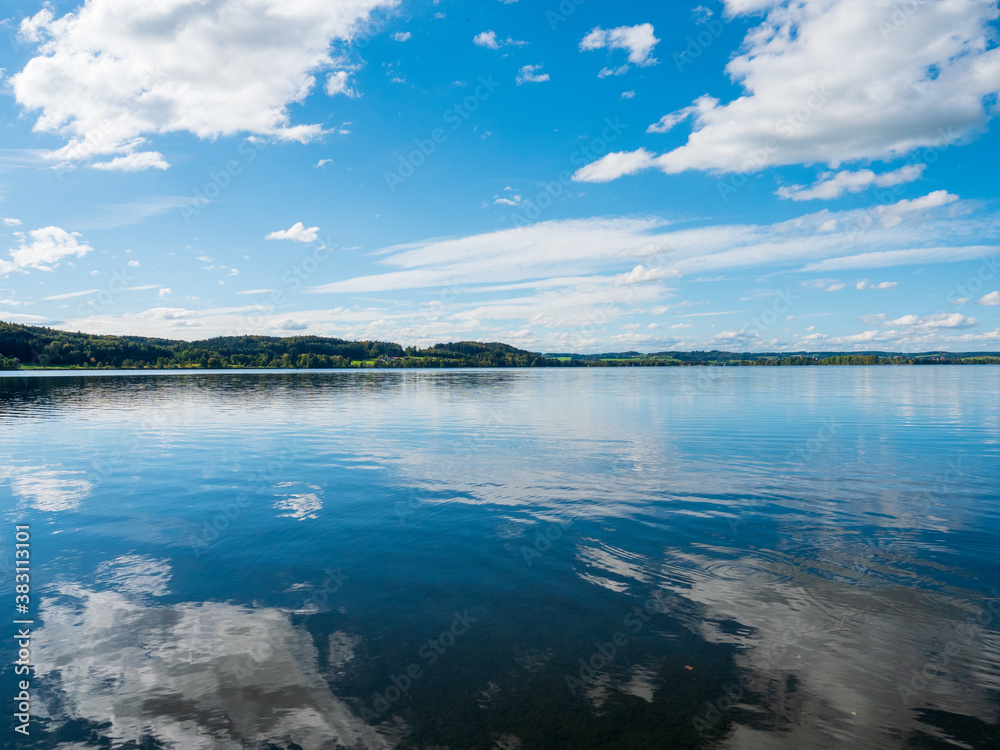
(164, 292)
(529, 74)
(296, 232)
(137, 161)
(642, 275)
(12, 222)
(177, 645)
(609, 72)
(339, 82)
(892, 215)
(322, 163)
(486, 39)
(865, 284)
(991, 299)
(615, 165)
(628, 95)
(831, 81)
(489, 39)
(551, 249)
(824, 285)
(114, 72)
(910, 256)
(70, 295)
(835, 185)
(133, 264)
(44, 248)
(401, 36)
(47, 490)
(513, 200)
(671, 120)
(638, 40)
(938, 320)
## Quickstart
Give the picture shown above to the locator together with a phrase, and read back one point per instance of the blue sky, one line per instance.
(742, 175)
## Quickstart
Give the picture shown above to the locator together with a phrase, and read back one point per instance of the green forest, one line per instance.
(33, 347)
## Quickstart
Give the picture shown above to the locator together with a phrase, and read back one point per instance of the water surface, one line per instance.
(626, 558)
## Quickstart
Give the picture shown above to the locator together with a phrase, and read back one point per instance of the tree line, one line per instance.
(48, 347)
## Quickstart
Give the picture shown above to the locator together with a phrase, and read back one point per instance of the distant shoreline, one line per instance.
(33, 348)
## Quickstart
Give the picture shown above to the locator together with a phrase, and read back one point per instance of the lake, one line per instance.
(800, 557)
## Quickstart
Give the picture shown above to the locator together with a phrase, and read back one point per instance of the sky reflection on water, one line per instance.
(794, 557)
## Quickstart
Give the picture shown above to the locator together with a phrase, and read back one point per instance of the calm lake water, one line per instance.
(623, 558)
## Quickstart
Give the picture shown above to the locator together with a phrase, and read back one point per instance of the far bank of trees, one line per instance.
(48, 347)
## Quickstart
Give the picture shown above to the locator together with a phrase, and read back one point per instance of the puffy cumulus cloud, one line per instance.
(486, 39)
(831, 81)
(530, 74)
(137, 161)
(638, 40)
(865, 284)
(44, 248)
(339, 82)
(297, 232)
(113, 72)
(401, 36)
(642, 275)
(991, 299)
(833, 186)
